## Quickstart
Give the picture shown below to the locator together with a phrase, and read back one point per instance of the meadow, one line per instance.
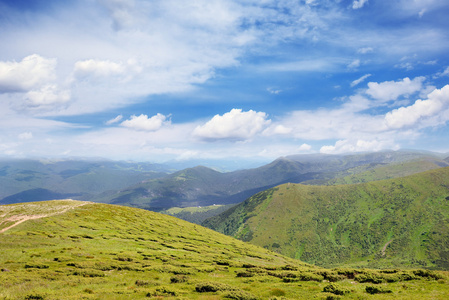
(80, 250)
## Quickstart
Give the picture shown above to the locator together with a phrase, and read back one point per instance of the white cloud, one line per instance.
(304, 147)
(361, 79)
(47, 95)
(98, 68)
(144, 123)
(359, 145)
(431, 112)
(392, 90)
(233, 125)
(277, 130)
(114, 120)
(30, 73)
(358, 4)
(354, 64)
(274, 91)
(365, 50)
(441, 74)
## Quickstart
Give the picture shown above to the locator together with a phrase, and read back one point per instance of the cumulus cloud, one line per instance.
(233, 125)
(392, 90)
(358, 4)
(144, 123)
(361, 79)
(434, 110)
(304, 147)
(47, 95)
(30, 73)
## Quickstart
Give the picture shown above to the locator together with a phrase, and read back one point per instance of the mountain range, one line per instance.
(34, 180)
(201, 186)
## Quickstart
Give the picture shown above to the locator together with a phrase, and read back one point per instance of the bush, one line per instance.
(335, 289)
(179, 279)
(427, 274)
(377, 290)
(88, 273)
(34, 297)
(205, 287)
(239, 295)
(162, 291)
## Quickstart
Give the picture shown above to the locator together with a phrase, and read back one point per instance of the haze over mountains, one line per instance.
(157, 187)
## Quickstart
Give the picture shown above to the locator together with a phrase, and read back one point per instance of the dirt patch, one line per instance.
(385, 247)
(18, 219)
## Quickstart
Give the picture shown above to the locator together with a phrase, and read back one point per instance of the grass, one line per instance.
(383, 224)
(100, 251)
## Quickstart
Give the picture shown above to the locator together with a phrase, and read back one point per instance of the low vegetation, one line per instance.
(401, 222)
(98, 251)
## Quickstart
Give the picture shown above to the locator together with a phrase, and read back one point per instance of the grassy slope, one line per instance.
(99, 251)
(388, 223)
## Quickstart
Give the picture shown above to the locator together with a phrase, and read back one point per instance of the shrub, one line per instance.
(245, 274)
(377, 290)
(239, 295)
(36, 266)
(162, 291)
(335, 289)
(179, 279)
(34, 297)
(369, 277)
(205, 287)
(88, 273)
(427, 274)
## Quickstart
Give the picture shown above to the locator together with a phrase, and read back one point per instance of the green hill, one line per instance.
(389, 223)
(80, 250)
(201, 186)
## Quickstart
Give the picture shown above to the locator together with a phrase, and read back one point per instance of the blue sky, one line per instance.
(220, 79)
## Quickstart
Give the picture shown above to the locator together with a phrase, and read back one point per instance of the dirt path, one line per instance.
(385, 247)
(18, 219)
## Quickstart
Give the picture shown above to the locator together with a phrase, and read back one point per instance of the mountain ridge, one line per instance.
(352, 223)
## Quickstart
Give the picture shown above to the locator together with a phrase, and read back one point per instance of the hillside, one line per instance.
(79, 250)
(389, 223)
(201, 186)
(36, 180)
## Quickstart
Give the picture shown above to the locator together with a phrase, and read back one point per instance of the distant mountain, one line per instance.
(201, 186)
(32, 180)
(387, 223)
(82, 250)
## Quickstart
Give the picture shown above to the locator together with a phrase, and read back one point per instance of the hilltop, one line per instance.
(80, 250)
(402, 222)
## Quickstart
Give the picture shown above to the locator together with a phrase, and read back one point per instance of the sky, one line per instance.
(173, 80)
